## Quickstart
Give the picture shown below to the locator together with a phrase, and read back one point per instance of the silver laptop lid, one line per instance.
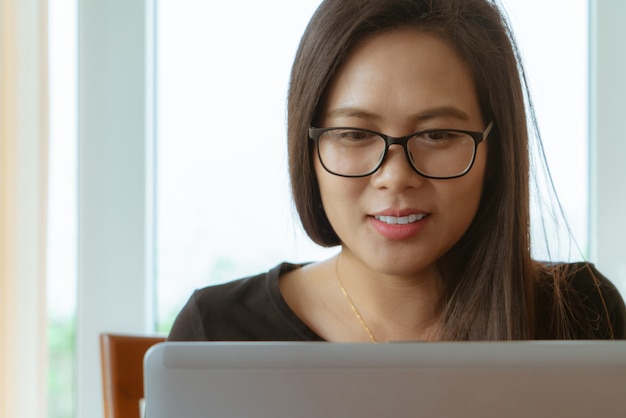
(312, 380)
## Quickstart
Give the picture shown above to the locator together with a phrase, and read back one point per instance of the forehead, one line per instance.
(401, 72)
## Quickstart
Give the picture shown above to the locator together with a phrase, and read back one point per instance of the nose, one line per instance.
(396, 173)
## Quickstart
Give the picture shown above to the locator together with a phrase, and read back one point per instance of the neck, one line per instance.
(391, 307)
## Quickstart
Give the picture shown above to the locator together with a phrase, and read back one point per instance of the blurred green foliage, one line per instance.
(61, 367)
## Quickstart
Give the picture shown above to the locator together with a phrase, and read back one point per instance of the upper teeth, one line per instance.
(402, 220)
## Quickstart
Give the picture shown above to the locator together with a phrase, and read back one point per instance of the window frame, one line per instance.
(607, 177)
(115, 181)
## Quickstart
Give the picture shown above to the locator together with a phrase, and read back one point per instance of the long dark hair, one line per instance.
(490, 279)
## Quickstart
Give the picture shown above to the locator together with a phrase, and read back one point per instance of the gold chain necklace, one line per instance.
(349, 299)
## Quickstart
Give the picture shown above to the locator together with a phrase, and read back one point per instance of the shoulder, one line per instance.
(590, 304)
(593, 286)
(234, 292)
(250, 308)
(245, 294)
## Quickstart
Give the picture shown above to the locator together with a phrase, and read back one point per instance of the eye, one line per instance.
(349, 137)
(439, 136)
(439, 139)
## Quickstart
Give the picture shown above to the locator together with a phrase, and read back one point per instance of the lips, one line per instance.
(401, 220)
(401, 225)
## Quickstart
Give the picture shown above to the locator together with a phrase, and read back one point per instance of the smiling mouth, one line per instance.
(401, 220)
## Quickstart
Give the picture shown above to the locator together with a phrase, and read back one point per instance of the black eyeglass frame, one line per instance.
(477, 136)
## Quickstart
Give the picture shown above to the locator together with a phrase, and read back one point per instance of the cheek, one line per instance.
(463, 195)
(465, 201)
(334, 190)
(329, 190)
(457, 208)
(470, 191)
(340, 197)
(322, 180)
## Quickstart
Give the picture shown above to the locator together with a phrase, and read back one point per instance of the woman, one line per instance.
(408, 147)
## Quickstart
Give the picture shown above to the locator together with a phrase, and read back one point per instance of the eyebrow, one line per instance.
(428, 114)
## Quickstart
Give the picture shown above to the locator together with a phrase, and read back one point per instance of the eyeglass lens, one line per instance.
(353, 152)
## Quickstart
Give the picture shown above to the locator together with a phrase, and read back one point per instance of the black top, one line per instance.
(253, 309)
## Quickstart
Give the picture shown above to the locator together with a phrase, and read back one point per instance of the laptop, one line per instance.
(405, 379)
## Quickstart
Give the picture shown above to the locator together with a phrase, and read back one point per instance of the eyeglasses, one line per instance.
(435, 153)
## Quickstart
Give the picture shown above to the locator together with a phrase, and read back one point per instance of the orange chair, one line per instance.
(122, 372)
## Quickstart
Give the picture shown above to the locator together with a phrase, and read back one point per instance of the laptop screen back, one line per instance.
(313, 380)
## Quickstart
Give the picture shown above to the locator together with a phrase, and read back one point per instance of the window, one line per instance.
(61, 289)
(556, 60)
(223, 208)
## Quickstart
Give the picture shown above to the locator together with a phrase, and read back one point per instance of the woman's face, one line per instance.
(397, 83)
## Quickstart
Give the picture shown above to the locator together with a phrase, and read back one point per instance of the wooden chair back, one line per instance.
(122, 372)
